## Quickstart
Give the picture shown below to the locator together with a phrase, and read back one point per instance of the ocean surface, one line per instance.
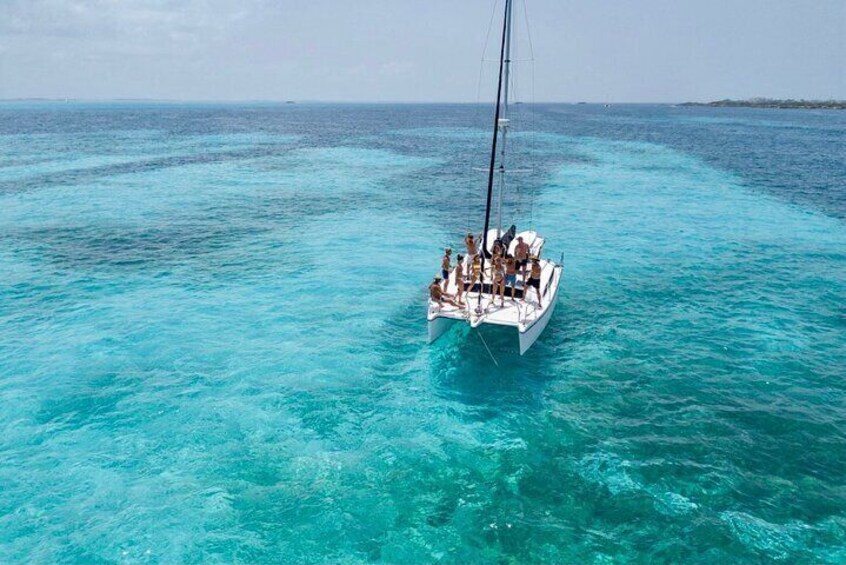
(213, 338)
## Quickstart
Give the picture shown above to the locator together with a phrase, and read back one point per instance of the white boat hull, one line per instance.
(529, 336)
(439, 326)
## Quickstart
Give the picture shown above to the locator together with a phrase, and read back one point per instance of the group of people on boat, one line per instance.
(504, 269)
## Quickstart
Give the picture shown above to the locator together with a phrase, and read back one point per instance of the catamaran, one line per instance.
(529, 316)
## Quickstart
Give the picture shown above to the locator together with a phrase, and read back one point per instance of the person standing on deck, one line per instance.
(470, 242)
(511, 273)
(521, 254)
(497, 247)
(445, 267)
(459, 277)
(498, 279)
(534, 281)
(476, 272)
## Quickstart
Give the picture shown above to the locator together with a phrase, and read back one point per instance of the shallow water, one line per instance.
(212, 340)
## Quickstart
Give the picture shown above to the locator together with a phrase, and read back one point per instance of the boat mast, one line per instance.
(505, 28)
(503, 121)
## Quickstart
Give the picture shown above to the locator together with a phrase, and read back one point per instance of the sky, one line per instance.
(421, 50)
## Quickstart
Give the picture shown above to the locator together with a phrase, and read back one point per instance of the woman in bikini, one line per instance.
(497, 247)
(459, 278)
(498, 279)
(476, 272)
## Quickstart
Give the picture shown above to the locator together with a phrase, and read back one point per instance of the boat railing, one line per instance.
(552, 275)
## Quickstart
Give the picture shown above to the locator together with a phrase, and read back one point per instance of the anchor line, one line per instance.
(486, 347)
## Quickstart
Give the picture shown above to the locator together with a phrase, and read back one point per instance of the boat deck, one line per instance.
(514, 312)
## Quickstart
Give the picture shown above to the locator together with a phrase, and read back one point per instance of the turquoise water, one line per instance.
(212, 338)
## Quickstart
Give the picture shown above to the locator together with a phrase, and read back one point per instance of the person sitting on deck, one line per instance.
(459, 277)
(438, 295)
(445, 267)
(511, 273)
(534, 281)
(521, 254)
(498, 279)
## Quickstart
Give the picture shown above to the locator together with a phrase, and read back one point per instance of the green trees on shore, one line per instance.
(774, 103)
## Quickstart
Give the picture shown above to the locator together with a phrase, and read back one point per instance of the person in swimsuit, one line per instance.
(445, 266)
(497, 247)
(438, 295)
(498, 279)
(470, 242)
(476, 272)
(521, 254)
(511, 273)
(534, 280)
(459, 277)
(496, 253)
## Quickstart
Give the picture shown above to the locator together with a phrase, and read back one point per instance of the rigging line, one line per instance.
(485, 52)
(479, 333)
(490, 27)
(516, 113)
(525, 153)
(493, 156)
(533, 145)
(533, 141)
(469, 193)
(528, 32)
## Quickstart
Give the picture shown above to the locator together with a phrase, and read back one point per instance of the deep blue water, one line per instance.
(212, 337)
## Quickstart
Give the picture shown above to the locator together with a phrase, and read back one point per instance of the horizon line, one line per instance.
(305, 101)
(409, 102)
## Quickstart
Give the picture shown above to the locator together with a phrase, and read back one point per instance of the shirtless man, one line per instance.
(445, 266)
(521, 254)
(511, 273)
(534, 281)
(439, 296)
(470, 242)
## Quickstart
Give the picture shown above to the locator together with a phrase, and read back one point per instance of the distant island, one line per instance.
(773, 103)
